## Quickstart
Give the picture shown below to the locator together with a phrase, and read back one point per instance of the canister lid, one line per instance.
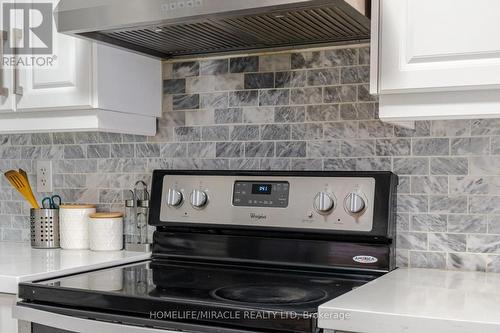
(111, 215)
(76, 206)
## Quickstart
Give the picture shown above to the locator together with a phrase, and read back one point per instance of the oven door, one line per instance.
(38, 318)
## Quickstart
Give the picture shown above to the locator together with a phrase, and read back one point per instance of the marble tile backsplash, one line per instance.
(306, 110)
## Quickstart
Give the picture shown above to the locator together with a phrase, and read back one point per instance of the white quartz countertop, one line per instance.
(418, 300)
(20, 263)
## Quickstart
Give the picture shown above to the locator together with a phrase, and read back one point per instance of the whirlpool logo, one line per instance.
(365, 259)
(258, 217)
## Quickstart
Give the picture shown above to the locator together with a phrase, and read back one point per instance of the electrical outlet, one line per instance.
(44, 176)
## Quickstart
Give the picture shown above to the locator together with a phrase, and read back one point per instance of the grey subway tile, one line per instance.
(420, 259)
(358, 74)
(274, 97)
(228, 115)
(299, 96)
(450, 128)
(428, 222)
(447, 242)
(188, 133)
(429, 185)
(122, 150)
(214, 67)
(201, 150)
(449, 166)
(243, 98)
(186, 102)
(323, 77)
(341, 57)
(431, 147)
(472, 146)
(173, 150)
(307, 164)
(229, 149)
(304, 60)
(174, 86)
(275, 132)
(244, 64)
(259, 149)
(291, 149)
(443, 204)
(258, 115)
(244, 133)
(244, 164)
(340, 94)
(74, 152)
(307, 131)
(274, 62)
(215, 133)
(259, 81)
(467, 224)
(328, 112)
(290, 79)
(393, 147)
(289, 114)
(147, 150)
(186, 69)
(466, 262)
(98, 151)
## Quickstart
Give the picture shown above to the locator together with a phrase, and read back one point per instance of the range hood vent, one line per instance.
(169, 29)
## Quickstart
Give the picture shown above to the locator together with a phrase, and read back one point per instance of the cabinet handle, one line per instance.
(18, 89)
(3, 39)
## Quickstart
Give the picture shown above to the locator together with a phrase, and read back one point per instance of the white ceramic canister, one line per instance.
(74, 226)
(106, 231)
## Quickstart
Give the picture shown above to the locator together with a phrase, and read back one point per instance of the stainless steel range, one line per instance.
(233, 252)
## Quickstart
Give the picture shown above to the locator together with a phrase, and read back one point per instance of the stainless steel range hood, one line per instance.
(176, 28)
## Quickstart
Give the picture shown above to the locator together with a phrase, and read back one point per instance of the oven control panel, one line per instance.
(343, 203)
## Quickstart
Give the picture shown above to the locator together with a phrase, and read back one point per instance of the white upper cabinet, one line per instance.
(65, 86)
(429, 45)
(431, 59)
(88, 87)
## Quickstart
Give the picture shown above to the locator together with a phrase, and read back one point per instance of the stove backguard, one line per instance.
(322, 220)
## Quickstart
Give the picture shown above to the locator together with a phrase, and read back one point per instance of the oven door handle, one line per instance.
(27, 315)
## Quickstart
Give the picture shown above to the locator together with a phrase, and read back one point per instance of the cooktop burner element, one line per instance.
(270, 294)
(239, 252)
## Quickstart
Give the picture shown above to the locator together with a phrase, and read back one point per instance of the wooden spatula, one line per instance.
(21, 184)
(25, 176)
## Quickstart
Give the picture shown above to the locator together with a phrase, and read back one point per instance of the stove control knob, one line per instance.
(354, 204)
(199, 199)
(323, 203)
(174, 198)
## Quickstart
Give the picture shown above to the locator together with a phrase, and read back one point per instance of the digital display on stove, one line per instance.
(262, 188)
(261, 193)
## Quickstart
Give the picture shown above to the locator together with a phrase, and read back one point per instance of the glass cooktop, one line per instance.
(199, 292)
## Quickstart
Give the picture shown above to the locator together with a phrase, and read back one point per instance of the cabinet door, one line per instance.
(66, 85)
(7, 101)
(445, 45)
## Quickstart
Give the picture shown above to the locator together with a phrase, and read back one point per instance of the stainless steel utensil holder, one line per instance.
(44, 228)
